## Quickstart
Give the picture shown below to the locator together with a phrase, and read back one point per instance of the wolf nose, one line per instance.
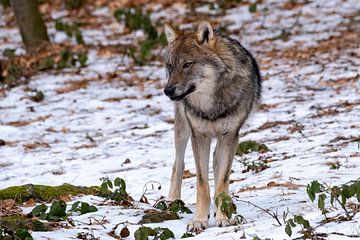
(169, 91)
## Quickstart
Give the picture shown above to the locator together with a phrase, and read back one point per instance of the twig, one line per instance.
(272, 214)
(100, 222)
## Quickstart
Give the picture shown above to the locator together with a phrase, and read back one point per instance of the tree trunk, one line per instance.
(32, 28)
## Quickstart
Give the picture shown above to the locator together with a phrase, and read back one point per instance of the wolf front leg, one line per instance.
(201, 149)
(223, 158)
(181, 133)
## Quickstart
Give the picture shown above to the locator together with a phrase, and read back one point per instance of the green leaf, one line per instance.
(288, 229)
(358, 193)
(142, 233)
(75, 205)
(23, 234)
(321, 201)
(117, 181)
(38, 210)
(163, 234)
(161, 205)
(9, 53)
(46, 63)
(187, 235)
(57, 210)
(38, 97)
(109, 183)
(78, 37)
(252, 7)
(291, 222)
(86, 208)
(82, 57)
(178, 206)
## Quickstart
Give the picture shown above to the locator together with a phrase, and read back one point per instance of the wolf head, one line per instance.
(191, 61)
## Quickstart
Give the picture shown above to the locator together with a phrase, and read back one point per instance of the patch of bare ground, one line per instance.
(333, 46)
(25, 123)
(34, 145)
(334, 109)
(271, 184)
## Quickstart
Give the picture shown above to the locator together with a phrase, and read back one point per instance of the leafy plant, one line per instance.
(70, 29)
(143, 233)
(5, 3)
(255, 166)
(251, 146)
(253, 7)
(158, 233)
(74, 4)
(175, 206)
(299, 220)
(135, 19)
(57, 211)
(339, 194)
(46, 63)
(68, 58)
(38, 97)
(227, 205)
(115, 191)
(83, 207)
(187, 235)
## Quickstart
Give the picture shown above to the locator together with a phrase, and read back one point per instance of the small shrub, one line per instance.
(57, 211)
(227, 205)
(115, 191)
(175, 206)
(83, 207)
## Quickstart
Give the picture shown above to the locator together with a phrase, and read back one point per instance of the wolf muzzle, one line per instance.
(170, 92)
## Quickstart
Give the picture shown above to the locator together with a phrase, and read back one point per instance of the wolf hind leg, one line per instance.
(223, 158)
(201, 148)
(181, 134)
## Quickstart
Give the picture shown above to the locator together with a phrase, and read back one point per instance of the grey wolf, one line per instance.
(215, 83)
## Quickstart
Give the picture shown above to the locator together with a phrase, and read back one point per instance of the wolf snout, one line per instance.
(169, 91)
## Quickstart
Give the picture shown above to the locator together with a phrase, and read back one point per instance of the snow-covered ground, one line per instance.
(310, 118)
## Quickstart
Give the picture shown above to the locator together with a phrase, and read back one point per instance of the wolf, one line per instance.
(215, 84)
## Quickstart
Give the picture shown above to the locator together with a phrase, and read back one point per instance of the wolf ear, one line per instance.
(171, 33)
(205, 33)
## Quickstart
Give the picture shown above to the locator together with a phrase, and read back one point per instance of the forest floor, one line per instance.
(110, 118)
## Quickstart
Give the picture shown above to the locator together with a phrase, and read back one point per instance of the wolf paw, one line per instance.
(224, 223)
(197, 226)
(222, 220)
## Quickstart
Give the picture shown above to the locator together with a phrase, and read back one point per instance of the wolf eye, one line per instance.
(170, 67)
(187, 65)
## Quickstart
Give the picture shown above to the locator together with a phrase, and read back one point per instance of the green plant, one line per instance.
(21, 234)
(175, 206)
(338, 194)
(299, 220)
(57, 211)
(253, 7)
(5, 3)
(83, 207)
(70, 29)
(115, 191)
(135, 19)
(227, 205)
(187, 235)
(74, 4)
(158, 233)
(250, 146)
(68, 58)
(255, 166)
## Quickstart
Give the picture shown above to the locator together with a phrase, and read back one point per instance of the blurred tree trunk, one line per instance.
(31, 25)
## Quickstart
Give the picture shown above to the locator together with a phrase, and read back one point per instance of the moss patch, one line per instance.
(156, 217)
(250, 146)
(16, 223)
(43, 192)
